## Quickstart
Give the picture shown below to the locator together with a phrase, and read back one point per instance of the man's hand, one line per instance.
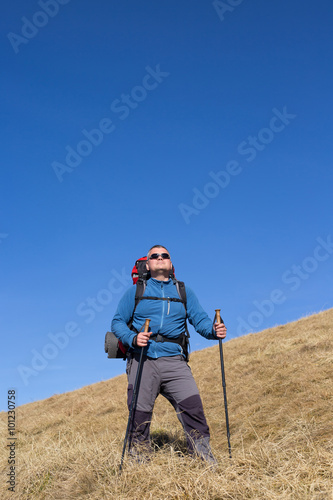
(220, 330)
(142, 339)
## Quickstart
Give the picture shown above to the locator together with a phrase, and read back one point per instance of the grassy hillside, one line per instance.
(279, 387)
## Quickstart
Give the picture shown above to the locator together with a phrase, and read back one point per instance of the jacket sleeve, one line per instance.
(197, 317)
(122, 317)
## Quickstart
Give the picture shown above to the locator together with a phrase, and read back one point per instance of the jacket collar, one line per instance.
(160, 281)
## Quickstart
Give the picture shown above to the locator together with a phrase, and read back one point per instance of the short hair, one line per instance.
(157, 246)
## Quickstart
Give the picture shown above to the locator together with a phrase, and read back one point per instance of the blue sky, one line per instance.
(204, 126)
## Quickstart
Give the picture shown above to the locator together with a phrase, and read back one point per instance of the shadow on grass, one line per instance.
(162, 439)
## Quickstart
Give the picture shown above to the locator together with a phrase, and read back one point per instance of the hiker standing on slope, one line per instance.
(164, 370)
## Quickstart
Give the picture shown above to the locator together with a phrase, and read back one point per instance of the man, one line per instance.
(164, 370)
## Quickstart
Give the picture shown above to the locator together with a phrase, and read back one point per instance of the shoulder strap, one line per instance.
(140, 290)
(141, 287)
(180, 285)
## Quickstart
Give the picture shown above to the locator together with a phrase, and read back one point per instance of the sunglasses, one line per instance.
(155, 256)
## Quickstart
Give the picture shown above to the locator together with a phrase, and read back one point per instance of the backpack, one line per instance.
(114, 347)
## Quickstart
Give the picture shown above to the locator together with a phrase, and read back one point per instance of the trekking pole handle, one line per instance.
(146, 328)
(218, 316)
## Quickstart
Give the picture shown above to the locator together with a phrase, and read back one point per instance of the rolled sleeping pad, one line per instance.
(113, 347)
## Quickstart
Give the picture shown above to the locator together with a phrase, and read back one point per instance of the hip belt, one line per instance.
(162, 338)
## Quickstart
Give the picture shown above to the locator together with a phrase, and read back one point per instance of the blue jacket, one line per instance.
(166, 318)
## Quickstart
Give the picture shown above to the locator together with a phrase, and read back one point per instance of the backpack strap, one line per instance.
(180, 285)
(140, 290)
(168, 299)
(182, 294)
(141, 287)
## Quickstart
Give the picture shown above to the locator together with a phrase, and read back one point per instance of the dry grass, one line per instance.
(279, 386)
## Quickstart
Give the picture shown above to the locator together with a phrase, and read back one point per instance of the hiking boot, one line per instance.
(203, 450)
(140, 454)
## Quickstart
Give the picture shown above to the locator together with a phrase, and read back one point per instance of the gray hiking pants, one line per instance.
(171, 377)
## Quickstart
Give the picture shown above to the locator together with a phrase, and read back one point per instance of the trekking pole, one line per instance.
(134, 400)
(220, 320)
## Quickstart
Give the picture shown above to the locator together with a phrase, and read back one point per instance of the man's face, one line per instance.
(159, 264)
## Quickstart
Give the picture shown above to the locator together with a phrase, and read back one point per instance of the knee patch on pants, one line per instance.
(193, 417)
(141, 427)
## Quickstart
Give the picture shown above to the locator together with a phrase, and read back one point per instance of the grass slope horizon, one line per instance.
(191, 354)
(279, 389)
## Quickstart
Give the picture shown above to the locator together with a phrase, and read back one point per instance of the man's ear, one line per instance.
(147, 267)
